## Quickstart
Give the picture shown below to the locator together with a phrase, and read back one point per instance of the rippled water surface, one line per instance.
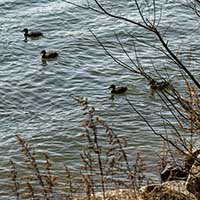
(36, 98)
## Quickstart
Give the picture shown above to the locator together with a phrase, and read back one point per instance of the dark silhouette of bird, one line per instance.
(156, 86)
(118, 90)
(159, 85)
(31, 34)
(48, 55)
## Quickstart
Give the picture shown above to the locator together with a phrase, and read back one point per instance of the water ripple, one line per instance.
(36, 97)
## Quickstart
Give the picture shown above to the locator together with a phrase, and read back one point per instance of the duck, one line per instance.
(48, 55)
(118, 90)
(159, 85)
(31, 34)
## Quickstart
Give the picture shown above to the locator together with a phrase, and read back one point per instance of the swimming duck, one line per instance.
(159, 85)
(48, 55)
(31, 34)
(118, 90)
(156, 86)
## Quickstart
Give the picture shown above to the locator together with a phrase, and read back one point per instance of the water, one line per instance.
(36, 99)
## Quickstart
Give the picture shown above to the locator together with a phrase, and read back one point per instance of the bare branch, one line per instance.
(114, 58)
(150, 27)
(152, 129)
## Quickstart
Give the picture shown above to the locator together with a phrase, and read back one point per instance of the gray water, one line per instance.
(36, 99)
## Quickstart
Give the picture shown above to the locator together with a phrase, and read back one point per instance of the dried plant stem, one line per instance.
(14, 179)
(26, 149)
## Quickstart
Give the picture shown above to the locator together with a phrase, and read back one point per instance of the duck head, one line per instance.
(25, 30)
(112, 87)
(43, 52)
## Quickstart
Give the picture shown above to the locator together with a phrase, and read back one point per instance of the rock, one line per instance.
(190, 158)
(171, 172)
(119, 194)
(193, 181)
(171, 190)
